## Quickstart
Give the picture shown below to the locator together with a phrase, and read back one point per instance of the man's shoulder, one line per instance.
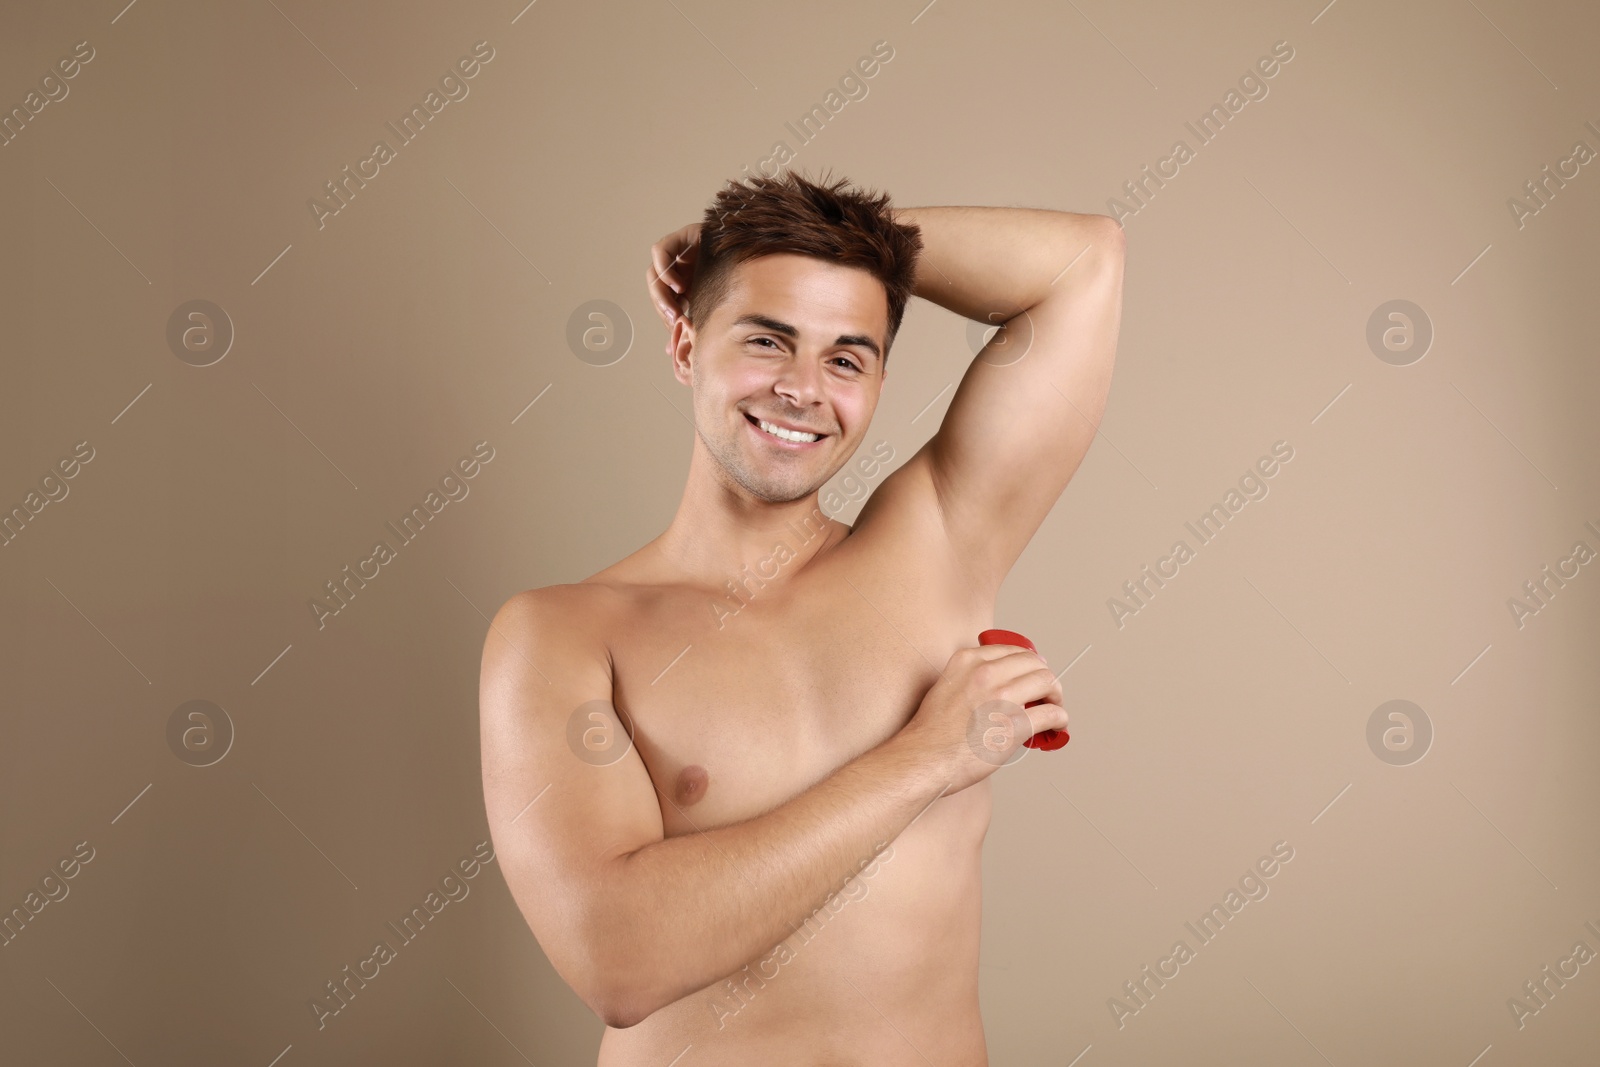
(544, 648)
(570, 610)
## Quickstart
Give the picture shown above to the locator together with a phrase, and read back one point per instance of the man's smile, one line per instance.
(781, 433)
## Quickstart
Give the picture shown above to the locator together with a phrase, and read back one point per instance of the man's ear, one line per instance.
(681, 345)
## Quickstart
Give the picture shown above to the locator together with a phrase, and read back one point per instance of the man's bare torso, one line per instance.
(776, 690)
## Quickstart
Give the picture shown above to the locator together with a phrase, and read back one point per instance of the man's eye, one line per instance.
(768, 340)
(847, 362)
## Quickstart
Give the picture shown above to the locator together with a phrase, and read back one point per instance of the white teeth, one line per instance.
(788, 435)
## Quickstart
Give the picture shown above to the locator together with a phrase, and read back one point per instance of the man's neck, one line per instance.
(720, 532)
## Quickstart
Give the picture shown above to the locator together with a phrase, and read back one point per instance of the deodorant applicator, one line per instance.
(1044, 740)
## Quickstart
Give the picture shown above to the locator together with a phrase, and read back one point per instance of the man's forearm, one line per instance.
(680, 914)
(989, 263)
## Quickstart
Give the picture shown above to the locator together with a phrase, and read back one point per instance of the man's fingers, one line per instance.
(1015, 648)
(1039, 684)
(994, 652)
(660, 297)
(1043, 717)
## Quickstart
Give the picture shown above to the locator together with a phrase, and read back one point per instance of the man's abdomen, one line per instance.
(885, 972)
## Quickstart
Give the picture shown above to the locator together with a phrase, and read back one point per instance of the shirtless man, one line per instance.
(738, 781)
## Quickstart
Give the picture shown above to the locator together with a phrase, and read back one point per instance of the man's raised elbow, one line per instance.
(1110, 234)
(1109, 256)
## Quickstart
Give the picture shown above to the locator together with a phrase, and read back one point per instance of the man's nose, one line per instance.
(800, 380)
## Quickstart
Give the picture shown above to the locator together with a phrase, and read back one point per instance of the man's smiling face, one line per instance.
(798, 344)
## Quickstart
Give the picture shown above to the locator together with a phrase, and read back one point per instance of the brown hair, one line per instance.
(831, 222)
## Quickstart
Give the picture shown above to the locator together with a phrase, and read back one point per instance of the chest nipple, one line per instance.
(691, 786)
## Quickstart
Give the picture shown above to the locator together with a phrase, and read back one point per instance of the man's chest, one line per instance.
(739, 703)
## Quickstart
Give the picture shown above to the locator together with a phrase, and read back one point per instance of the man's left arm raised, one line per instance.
(1031, 402)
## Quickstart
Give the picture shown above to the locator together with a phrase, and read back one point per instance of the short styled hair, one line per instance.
(832, 222)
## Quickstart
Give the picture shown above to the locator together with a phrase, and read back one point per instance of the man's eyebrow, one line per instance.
(789, 331)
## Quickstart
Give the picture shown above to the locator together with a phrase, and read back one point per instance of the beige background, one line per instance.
(1228, 715)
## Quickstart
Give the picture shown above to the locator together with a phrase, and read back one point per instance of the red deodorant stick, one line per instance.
(1044, 740)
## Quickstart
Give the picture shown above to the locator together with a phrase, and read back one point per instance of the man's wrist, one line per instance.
(926, 775)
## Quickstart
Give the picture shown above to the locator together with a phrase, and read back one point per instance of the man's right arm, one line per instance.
(633, 920)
